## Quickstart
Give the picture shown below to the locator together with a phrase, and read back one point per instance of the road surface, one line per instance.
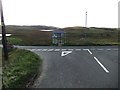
(77, 66)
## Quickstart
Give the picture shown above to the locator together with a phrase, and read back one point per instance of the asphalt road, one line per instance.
(83, 67)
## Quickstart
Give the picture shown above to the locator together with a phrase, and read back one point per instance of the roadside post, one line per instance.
(4, 39)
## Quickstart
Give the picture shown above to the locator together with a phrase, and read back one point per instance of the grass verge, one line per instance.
(20, 68)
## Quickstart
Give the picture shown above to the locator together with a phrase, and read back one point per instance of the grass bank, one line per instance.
(20, 68)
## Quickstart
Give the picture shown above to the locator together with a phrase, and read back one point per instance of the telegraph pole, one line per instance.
(86, 20)
(4, 39)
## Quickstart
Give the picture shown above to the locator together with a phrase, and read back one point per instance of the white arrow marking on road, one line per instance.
(64, 53)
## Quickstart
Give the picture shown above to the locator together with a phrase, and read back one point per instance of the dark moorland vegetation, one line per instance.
(31, 35)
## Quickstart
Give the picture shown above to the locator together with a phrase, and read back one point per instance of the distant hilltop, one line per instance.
(43, 27)
(80, 27)
(33, 27)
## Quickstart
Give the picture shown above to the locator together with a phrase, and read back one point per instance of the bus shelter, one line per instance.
(58, 37)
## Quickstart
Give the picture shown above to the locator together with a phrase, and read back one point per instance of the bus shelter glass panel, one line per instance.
(58, 38)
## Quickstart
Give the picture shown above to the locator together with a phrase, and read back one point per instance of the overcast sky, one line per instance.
(61, 13)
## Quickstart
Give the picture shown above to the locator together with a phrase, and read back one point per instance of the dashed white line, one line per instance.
(44, 50)
(89, 51)
(70, 49)
(39, 49)
(29, 49)
(57, 50)
(100, 49)
(108, 49)
(63, 49)
(101, 65)
(33, 49)
(78, 49)
(50, 50)
(85, 49)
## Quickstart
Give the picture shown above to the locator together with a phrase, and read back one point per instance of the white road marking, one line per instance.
(85, 49)
(57, 50)
(50, 49)
(108, 49)
(63, 49)
(64, 53)
(39, 49)
(29, 49)
(89, 51)
(33, 49)
(78, 49)
(70, 49)
(101, 65)
(44, 49)
(6, 35)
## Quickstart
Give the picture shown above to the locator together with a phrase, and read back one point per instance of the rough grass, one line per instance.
(14, 40)
(92, 36)
(30, 37)
(21, 67)
(74, 36)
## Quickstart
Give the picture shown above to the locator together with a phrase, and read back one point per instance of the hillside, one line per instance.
(31, 35)
(92, 36)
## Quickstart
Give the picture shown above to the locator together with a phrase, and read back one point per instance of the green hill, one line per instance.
(31, 35)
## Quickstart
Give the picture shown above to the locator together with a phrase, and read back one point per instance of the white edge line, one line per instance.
(89, 51)
(101, 65)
